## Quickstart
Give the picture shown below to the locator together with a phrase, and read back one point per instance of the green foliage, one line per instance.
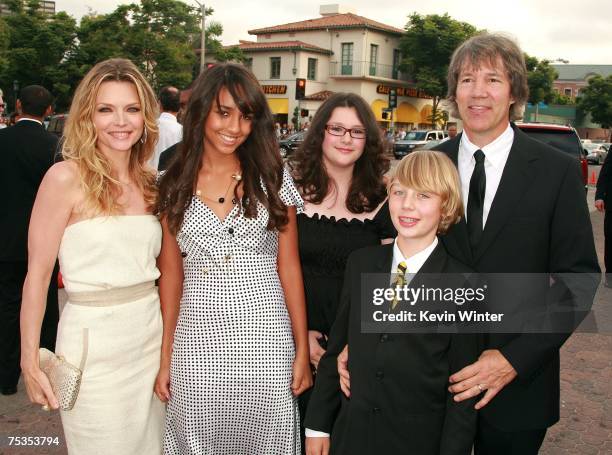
(561, 99)
(159, 36)
(34, 48)
(596, 99)
(427, 47)
(540, 77)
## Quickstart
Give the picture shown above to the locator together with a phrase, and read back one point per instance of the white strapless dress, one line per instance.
(109, 266)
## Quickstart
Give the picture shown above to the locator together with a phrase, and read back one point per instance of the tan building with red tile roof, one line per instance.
(337, 52)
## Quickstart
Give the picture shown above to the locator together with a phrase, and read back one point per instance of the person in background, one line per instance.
(170, 130)
(27, 152)
(339, 170)
(2, 109)
(603, 203)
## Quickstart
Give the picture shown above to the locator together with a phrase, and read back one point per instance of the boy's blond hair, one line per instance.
(433, 172)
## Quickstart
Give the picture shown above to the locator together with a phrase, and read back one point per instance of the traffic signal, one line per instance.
(304, 113)
(300, 89)
(392, 98)
(385, 115)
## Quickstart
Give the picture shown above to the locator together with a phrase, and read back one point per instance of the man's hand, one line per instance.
(491, 372)
(317, 446)
(316, 351)
(600, 205)
(345, 377)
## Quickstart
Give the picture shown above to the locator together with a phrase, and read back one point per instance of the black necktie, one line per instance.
(476, 196)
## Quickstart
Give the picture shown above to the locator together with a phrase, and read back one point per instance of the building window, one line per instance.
(567, 92)
(347, 59)
(397, 58)
(275, 67)
(312, 69)
(248, 62)
(373, 59)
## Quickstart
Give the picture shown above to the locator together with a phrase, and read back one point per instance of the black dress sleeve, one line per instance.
(384, 226)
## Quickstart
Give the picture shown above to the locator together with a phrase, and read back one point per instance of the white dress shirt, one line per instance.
(24, 119)
(413, 265)
(496, 155)
(170, 133)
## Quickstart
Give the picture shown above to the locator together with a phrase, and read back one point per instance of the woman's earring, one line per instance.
(143, 138)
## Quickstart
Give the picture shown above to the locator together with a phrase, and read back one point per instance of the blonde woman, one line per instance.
(94, 211)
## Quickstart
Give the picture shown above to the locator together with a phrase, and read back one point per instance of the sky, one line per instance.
(576, 30)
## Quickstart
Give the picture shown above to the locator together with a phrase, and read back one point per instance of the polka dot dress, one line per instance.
(233, 346)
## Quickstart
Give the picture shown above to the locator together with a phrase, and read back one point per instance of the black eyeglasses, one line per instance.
(337, 130)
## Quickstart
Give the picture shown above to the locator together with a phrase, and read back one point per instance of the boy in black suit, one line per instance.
(399, 401)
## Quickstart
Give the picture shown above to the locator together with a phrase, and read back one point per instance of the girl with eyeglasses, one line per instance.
(339, 170)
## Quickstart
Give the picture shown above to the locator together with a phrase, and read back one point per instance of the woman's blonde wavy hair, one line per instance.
(80, 137)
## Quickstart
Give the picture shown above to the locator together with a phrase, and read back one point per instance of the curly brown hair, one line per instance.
(259, 156)
(367, 188)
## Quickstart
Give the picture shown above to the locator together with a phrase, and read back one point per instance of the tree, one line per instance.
(596, 99)
(559, 98)
(38, 45)
(540, 77)
(427, 47)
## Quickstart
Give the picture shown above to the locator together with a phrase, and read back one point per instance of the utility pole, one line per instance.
(203, 36)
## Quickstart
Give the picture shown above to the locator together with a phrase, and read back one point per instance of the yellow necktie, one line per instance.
(400, 281)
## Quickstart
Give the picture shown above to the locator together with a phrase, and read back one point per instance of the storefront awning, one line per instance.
(407, 113)
(426, 112)
(279, 105)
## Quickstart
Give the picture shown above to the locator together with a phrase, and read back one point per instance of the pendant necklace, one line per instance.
(236, 177)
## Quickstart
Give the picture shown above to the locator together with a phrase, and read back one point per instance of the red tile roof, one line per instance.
(335, 21)
(251, 46)
(319, 96)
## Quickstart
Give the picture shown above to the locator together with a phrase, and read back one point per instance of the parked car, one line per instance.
(429, 145)
(561, 137)
(290, 144)
(416, 139)
(595, 153)
(56, 124)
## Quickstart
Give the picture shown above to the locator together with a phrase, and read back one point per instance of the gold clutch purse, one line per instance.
(64, 377)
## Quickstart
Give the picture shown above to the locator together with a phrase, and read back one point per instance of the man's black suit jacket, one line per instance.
(26, 151)
(604, 183)
(399, 401)
(538, 223)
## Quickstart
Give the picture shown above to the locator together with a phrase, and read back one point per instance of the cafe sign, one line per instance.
(403, 91)
(274, 89)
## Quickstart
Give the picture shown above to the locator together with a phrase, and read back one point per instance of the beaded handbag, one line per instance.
(64, 377)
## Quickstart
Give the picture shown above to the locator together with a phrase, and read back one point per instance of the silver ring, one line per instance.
(480, 387)
(45, 407)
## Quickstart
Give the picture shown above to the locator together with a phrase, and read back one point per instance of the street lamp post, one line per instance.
(203, 35)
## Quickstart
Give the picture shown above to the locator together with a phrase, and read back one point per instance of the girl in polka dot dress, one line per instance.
(235, 350)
